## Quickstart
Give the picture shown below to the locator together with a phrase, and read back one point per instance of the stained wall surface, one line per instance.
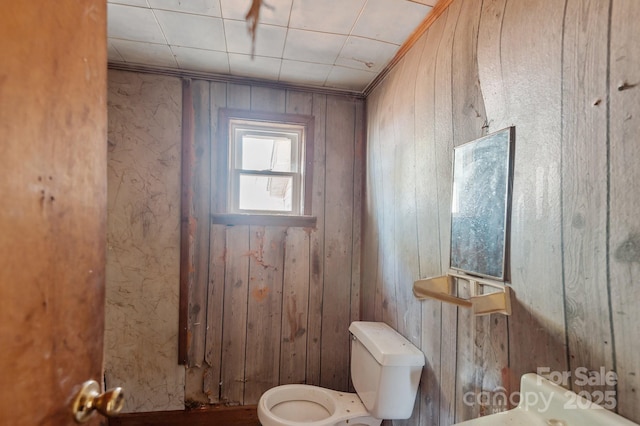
(564, 74)
(143, 240)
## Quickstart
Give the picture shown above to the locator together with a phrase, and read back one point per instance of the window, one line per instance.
(268, 163)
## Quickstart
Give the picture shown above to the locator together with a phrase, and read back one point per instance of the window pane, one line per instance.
(265, 193)
(261, 153)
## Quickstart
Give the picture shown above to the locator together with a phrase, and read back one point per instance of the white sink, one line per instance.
(543, 403)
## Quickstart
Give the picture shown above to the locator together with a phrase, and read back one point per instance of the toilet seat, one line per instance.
(295, 405)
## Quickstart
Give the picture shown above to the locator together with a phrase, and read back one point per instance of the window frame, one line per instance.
(226, 142)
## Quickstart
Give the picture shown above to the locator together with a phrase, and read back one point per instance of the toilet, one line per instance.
(385, 369)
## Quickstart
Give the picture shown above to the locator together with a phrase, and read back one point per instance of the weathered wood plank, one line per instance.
(444, 154)
(372, 245)
(531, 54)
(407, 269)
(316, 241)
(370, 220)
(238, 96)
(387, 296)
(217, 247)
(490, 65)
(218, 99)
(492, 348)
(186, 195)
(268, 99)
(624, 221)
(215, 309)
(338, 243)
(468, 124)
(295, 301)
(264, 311)
(429, 255)
(199, 222)
(234, 337)
(358, 190)
(584, 191)
(299, 102)
(295, 291)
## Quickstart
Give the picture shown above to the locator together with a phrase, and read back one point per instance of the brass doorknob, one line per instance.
(89, 399)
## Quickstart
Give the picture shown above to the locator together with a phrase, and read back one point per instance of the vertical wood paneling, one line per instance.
(264, 316)
(444, 148)
(316, 242)
(295, 292)
(357, 196)
(491, 341)
(295, 301)
(239, 96)
(268, 99)
(535, 218)
(338, 243)
(217, 99)
(584, 187)
(370, 221)
(541, 66)
(299, 102)
(217, 241)
(624, 199)
(199, 222)
(427, 222)
(257, 336)
(474, 361)
(387, 285)
(407, 269)
(407, 263)
(234, 334)
(215, 311)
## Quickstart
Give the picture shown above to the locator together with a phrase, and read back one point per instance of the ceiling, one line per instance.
(337, 44)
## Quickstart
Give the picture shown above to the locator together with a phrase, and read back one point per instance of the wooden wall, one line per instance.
(564, 73)
(268, 305)
(271, 305)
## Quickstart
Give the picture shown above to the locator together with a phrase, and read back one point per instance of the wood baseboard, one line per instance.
(246, 415)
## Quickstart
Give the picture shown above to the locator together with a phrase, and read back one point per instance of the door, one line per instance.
(53, 154)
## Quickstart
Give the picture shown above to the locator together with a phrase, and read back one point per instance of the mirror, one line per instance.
(482, 175)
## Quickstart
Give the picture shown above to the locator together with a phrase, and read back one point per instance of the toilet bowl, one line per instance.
(294, 405)
(385, 369)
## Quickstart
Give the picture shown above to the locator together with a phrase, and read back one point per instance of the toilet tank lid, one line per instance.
(386, 345)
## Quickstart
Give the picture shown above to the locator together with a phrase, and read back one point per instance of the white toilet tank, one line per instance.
(385, 369)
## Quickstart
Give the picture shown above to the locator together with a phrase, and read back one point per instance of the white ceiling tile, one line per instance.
(112, 53)
(366, 54)
(335, 43)
(202, 60)
(309, 46)
(331, 16)
(133, 23)
(145, 53)
(374, 22)
(349, 78)
(186, 30)
(201, 7)
(258, 67)
(269, 39)
(304, 72)
(274, 12)
(139, 3)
